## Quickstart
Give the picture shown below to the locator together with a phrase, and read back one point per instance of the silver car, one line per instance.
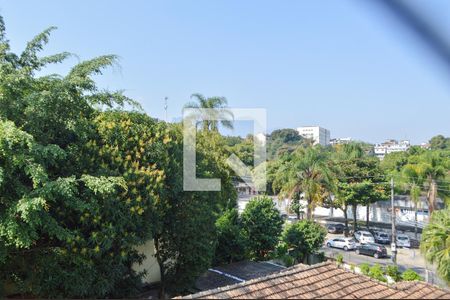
(403, 241)
(364, 237)
(345, 243)
(382, 237)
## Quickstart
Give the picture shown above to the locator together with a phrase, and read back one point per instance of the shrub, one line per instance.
(410, 275)
(352, 268)
(321, 256)
(304, 237)
(288, 260)
(261, 227)
(230, 244)
(281, 250)
(339, 259)
(393, 272)
(365, 268)
(377, 272)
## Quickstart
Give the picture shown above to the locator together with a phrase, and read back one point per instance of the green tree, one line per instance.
(359, 180)
(218, 107)
(59, 231)
(185, 240)
(305, 171)
(434, 168)
(283, 141)
(81, 188)
(413, 176)
(230, 244)
(304, 238)
(439, 142)
(261, 227)
(435, 242)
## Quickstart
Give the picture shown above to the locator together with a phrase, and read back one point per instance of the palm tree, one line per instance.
(414, 177)
(307, 172)
(435, 244)
(216, 110)
(433, 170)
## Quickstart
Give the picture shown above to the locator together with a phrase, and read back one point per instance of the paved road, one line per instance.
(406, 259)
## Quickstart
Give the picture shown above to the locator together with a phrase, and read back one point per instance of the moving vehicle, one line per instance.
(381, 237)
(372, 249)
(403, 241)
(346, 243)
(335, 228)
(364, 237)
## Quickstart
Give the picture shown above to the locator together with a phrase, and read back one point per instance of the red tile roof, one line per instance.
(323, 280)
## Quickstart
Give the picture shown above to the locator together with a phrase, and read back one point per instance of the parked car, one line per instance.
(372, 249)
(364, 237)
(346, 243)
(403, 241)
(381, 237)
(335, 228)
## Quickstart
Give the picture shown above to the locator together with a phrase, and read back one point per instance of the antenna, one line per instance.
(165, 106)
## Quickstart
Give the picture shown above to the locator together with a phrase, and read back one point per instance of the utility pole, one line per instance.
(165, 105)
(394, 234)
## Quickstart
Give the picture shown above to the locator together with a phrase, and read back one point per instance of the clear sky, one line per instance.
(345, 65)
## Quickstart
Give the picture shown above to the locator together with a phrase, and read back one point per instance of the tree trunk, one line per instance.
(415, 220)
(354, 217)
(367, 214)
(309, 210)
(162, 288)
(431, 197)
(346, 220)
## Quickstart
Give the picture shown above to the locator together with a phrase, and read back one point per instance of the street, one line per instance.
(406, 259)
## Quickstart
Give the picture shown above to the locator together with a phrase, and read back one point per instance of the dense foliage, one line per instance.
(83, 182)
(230, 242)
(282, 141)
(410, 275)
(305, 171)
(80, 188)
(261, 227)
(58, 217)
(303, 238)
(435, 244)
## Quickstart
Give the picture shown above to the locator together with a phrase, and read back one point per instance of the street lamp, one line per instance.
(394, 234)
(165, 106)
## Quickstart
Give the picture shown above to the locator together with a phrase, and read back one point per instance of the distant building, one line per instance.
(340, 141)
(318, 134)
(425, 146)
(390, 146)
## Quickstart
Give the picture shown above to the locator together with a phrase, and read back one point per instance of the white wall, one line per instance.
(150, 264)
(378, 212)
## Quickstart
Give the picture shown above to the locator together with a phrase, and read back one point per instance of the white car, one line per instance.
(364, 237)
(345, 243)
(403, 241)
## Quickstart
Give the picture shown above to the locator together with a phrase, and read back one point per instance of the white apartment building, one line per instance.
(390, 146)
(318, 134)
(341, 141)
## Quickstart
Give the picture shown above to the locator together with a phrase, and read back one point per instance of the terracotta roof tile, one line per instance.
(323, 280)
(418, 289)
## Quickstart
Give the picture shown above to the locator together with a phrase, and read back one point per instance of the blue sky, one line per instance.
(345, 65)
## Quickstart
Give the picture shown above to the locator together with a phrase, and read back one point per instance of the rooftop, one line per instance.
(235, 273)
(324, 280)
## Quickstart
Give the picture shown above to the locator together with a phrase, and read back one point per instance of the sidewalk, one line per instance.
(400, 228)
